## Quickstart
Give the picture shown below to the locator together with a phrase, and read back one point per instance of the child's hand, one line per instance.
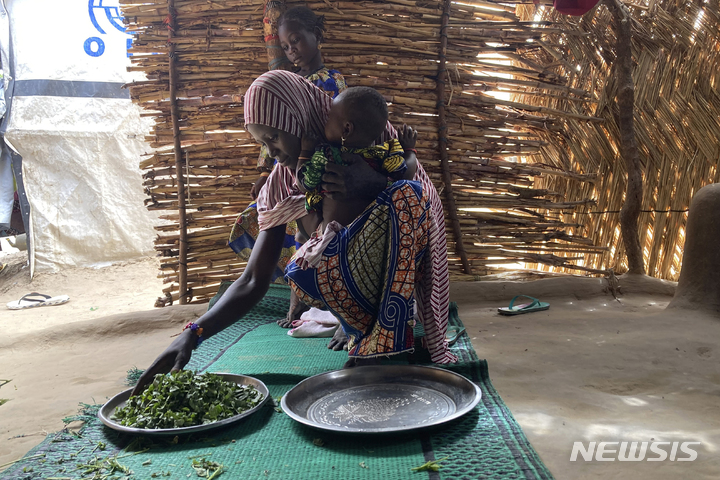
(308, 142)
(407, 136)
(300, 175)
(255, 190)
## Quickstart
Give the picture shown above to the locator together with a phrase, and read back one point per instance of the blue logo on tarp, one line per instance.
(95, 46)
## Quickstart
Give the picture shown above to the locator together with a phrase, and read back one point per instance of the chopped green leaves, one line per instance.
(185, 399)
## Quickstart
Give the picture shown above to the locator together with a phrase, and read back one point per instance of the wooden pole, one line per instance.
(182, 260)
(443, 141)
(630, 211)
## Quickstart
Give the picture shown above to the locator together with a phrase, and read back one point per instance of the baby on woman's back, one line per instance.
(356, 120)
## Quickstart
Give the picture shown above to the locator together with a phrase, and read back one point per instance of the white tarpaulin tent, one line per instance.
(79, 135)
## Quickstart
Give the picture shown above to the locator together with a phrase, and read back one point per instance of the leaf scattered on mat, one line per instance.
(318, 442)
(207, 469)
(133, 375)
(432, 466)
(87, 412)
(102, 468)
(362, 465)
(99, 446)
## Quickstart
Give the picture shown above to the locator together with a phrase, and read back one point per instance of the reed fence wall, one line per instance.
(676, 53)
(501, 216)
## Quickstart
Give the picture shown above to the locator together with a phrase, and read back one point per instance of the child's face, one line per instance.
(299, 44)
(335, 125)
(280, 144)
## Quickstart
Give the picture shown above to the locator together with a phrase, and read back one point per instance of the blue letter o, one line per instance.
(89, 46)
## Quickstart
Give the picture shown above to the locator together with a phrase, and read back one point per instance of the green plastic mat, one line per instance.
(484, 444)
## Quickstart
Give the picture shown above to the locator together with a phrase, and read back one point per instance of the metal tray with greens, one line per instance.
(185, 402)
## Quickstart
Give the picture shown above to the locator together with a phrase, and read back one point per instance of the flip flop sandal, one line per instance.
(535, 305)
(453, 333)
(32, 300)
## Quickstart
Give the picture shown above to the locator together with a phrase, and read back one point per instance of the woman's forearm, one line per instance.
(250, 288)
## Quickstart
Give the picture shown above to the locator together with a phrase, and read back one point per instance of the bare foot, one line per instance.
(361, 362)
(338, 341)
(284, 322)
(297, 308)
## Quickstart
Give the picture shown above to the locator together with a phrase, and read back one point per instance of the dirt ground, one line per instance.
(592, 368)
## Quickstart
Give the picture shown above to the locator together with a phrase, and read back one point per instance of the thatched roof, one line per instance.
(676, 52)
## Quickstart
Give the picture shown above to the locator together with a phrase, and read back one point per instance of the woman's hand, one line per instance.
(239, 299)
(173, 359)
(356, 179)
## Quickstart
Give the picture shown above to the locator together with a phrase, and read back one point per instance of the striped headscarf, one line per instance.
(286, 101)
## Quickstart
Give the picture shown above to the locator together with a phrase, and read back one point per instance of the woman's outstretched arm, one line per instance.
(239, 299)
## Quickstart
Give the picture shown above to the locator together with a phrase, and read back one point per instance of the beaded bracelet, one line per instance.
(412, 150)
(198, 331)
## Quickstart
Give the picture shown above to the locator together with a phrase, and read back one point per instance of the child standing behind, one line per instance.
(301, 33)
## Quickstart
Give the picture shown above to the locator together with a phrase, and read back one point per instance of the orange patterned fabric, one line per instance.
(368, 272)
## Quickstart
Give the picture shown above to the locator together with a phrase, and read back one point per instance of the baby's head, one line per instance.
(358, 115)
(300, 32)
